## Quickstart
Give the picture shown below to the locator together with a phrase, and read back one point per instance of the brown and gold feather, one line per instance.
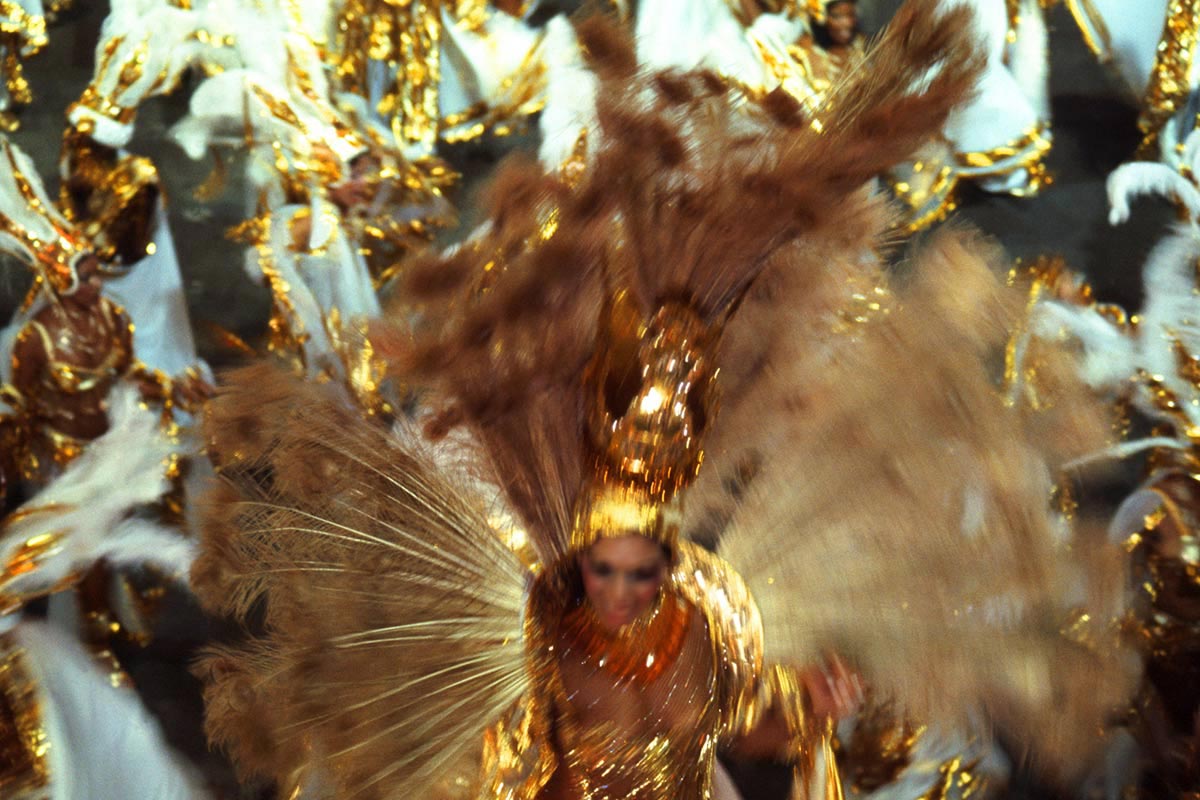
(692, 191)
(392, 612)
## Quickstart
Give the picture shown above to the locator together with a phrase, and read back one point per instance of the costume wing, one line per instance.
(392, 612)
(899, 512)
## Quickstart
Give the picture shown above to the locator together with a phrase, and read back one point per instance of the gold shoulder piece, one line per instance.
(735, 626)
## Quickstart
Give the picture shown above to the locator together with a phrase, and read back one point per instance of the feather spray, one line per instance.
(903, 518)
(687, 200)
(392, 610)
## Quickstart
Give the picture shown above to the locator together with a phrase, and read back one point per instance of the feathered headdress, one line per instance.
(595, 420)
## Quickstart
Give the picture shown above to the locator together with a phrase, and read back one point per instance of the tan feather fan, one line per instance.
(901, 515)
(392, 610)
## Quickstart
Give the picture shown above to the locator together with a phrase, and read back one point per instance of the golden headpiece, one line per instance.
(31, 228)
(651, 385)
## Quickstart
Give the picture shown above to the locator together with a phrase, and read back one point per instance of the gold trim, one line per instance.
(525, 93)
(956, 778)
(1091, 25)
(1025, 151)
(24, 741)
(1169, 85)
(921, 212)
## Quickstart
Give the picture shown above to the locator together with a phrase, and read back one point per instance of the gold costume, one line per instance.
(65, 362)
(1165, 557)
(24, 771)
(111, 196)
(22, 35)
(406, 37)
(625, 711)
(598, 366)
(70, 353)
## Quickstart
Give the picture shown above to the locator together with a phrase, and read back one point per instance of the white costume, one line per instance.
(94, 739)
(1143, 360)
(1000, 135)
(154, 44)
(22, 35)
(301, 146)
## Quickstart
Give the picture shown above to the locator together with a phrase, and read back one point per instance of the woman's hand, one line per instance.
(834, 689)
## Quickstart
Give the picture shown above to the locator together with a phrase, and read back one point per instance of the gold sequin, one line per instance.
(1169, 84)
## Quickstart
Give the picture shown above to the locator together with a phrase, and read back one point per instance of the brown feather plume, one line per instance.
(688, 197)
(392, 610)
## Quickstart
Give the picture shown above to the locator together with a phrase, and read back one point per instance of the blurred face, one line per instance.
(622, 577)
(842, 22)
(364, 166)
(357, 190)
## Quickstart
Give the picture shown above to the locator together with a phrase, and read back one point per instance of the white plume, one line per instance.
(85, 509)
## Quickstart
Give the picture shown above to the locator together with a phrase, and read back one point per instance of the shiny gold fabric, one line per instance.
(110, 197)
(1169, 84)
(406, 36)
(24, 743)
(22, 35)
(1165, 565)
(64, 363)
(604, 737)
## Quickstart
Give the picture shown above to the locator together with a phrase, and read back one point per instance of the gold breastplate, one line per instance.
(648, 734)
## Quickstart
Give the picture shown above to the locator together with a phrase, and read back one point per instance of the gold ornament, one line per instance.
(652, 387)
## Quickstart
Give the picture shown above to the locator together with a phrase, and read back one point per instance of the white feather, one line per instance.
(87, 505)
(1028, 59)
(1147, 357)
(154, 43)
(1130, 181)
(570, 95)
(1110, 356)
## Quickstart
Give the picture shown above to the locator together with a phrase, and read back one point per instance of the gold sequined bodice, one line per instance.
(622, 739)
(594, 732)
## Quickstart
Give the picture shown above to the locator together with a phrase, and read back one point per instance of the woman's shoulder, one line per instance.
(721, 598)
